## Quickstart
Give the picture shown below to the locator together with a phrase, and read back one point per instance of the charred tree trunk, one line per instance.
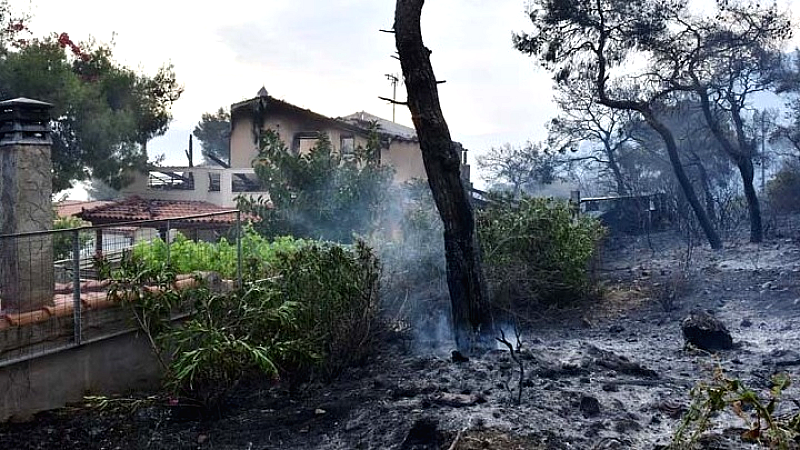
(741, 156)
(622, 189)
(470, 306)
(705, 182)
(745, 166)
(683, 179)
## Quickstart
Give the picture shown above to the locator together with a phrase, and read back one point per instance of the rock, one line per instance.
(589, 406)
(320, 411)
(458, 357)
(423, 435)
(767, 285)
(616, 329)
(618, 363)
(782, 358)
(706, 332)
(455, 400)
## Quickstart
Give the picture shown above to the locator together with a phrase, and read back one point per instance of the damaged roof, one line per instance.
(359, 121)
(137, 209)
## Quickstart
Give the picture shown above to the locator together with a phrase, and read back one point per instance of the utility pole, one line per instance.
(394, 80)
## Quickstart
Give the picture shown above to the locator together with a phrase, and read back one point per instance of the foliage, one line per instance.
(63, 242)
(231, 336)
(105, 112)
(534, 250)
(783, 189)
(521, 167)
(321, 194)
(304, 306)
(214, 133)
(759, 412)
(338, 290)
(186, 256)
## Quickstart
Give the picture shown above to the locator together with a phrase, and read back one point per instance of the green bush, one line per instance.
(63, 242)
(413, 260)
(308, 306)
(783, 191)
(759, 410)
(321, 194)
(186, 256)
(534, 252)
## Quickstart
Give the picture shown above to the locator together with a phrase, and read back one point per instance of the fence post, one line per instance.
(167, 241)
(239, 248)
(76, 286)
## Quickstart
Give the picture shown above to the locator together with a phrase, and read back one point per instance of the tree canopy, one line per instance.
(321, 194)
(214, 133)
(643, 56)
(104, 113)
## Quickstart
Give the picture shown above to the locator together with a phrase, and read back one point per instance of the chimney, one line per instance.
(26, 263)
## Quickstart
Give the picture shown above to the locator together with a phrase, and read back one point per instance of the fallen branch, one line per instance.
(456, 440)
(502, 339)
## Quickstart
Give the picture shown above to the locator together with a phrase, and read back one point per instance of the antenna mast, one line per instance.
(394, 80)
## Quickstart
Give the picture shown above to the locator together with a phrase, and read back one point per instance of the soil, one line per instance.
(613, 374)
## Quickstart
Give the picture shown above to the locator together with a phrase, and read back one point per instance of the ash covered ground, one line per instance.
(611, 374)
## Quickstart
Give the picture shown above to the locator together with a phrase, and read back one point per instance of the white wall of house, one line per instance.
(222, 194)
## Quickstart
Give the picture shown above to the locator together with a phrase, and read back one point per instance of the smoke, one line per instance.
(414, 290)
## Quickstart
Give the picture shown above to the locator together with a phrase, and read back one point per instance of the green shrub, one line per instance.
(307, 306)
(783, 191)
(413, 260)
(186, 256)
(759, 411)
(62, 242)
(535, 252)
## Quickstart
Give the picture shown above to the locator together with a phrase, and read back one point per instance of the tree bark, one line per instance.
(470, 307)
(683, 180)
(622, 189)
(741, 156)
(745, 166)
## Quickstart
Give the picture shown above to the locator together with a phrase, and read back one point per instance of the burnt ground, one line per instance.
(613, 374)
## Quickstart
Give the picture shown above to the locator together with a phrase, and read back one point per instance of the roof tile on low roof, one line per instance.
(66, 208)
(136, 208)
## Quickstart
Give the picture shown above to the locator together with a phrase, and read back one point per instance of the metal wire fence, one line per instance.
(54, 285)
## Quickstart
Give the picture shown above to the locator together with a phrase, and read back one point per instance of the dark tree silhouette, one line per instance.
(468, 296)
(590, 42)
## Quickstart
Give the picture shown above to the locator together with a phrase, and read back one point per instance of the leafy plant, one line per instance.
(304, 306)
(321, 194)
(758, 411)
(231, 336)
(63, 242)
(535, 250)
(783, 188)
(186, 256)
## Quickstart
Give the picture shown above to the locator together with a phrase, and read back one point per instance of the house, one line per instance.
(299, 128)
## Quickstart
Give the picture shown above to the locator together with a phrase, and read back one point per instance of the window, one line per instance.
(348, 145)
(304, 141)
(213, 182)
(245, 182)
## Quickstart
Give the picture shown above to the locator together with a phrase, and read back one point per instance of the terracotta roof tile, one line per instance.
(68, 208)
(136, 208)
